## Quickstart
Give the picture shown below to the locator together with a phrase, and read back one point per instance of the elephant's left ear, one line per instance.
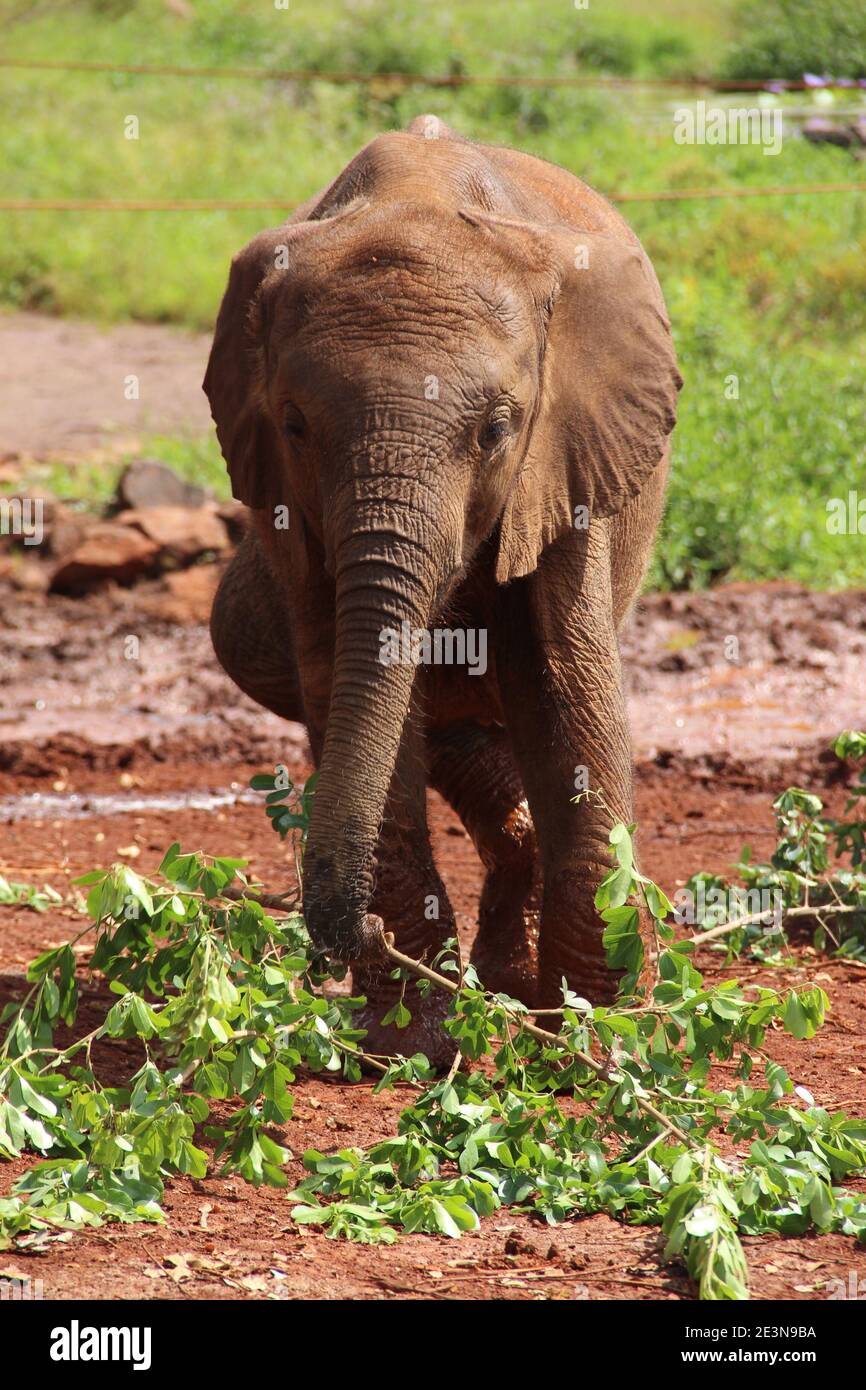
(608, 392)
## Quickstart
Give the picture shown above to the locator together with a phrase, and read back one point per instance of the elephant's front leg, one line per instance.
(562, 690)
(472, 766)
(412, 901)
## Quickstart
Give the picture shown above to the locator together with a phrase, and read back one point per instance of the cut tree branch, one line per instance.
(416, 967)
(753, 918)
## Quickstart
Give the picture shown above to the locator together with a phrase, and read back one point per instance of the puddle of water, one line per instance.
(82, 806)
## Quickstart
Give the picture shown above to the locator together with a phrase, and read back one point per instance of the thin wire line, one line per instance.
(665, 195)
(413, 79)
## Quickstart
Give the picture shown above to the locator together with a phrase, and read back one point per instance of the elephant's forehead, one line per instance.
(388, 374)
(403, 298)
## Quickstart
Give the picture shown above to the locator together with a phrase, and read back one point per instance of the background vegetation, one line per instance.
(770, 290)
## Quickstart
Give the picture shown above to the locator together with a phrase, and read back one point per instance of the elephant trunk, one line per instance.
(383, 581)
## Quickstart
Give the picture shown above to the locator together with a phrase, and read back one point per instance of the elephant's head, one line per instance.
(414, 381)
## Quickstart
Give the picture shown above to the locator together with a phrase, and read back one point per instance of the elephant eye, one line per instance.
(294, 423)
(495, 428)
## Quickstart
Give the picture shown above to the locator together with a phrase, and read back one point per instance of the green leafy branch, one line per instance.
(816, 877)
(228, 1002)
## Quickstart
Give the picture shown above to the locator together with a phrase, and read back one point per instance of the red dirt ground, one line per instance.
(715, 741)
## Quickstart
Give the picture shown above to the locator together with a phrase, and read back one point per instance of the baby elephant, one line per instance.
(445, 388)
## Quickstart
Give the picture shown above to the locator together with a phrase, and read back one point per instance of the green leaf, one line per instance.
(796, 1019)
(621, 938)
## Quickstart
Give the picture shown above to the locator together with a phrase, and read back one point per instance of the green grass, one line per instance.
(772, 290)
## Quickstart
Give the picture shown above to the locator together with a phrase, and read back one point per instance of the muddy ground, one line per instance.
(119, 734)
(65, 384)
(103, 755)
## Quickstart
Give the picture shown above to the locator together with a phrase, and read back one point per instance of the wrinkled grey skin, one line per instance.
(455, 369)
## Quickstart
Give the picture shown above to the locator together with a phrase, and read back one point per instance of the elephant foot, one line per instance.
(571, 947)
(424, 1033)
(512, 970)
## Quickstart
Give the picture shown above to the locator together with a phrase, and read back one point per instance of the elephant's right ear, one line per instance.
(246, 435)
(234, 380)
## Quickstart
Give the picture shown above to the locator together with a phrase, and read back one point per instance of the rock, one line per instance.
(186, 596)
(108, 551)
(823, 132)
(30, 577)
(183, 531)
(66, 530)
(149, 483)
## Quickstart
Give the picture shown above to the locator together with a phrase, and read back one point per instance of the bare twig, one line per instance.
(279, 902)
(753, 918)
(455, 1065)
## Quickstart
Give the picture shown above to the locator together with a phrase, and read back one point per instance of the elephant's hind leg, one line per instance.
(471, 765)
(251, 634)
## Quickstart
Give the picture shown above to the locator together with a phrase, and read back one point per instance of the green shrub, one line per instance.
(786, 38)
(607, 52)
